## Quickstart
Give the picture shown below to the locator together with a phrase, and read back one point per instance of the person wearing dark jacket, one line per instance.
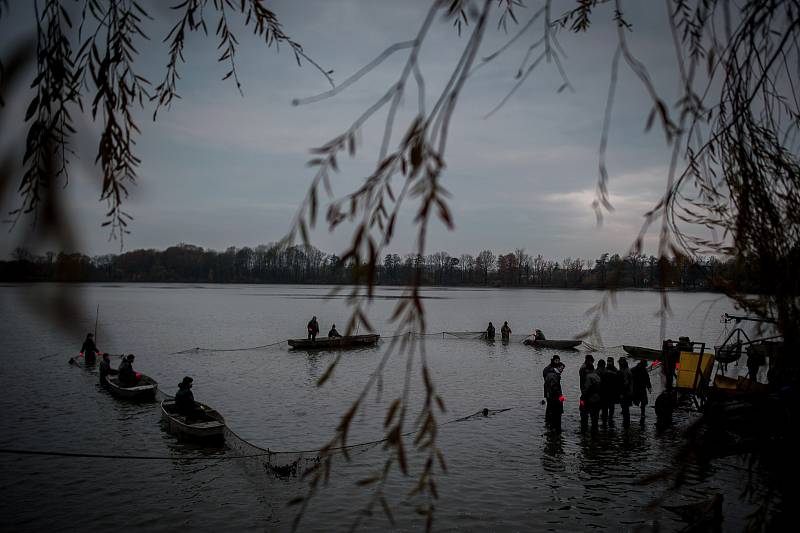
(333, 332)
(586, 367)
(490, 332)
(626, 391)
(184, 399)
(641, 385)
(313, 328)
(505, 331)
(105, 369)
(127, 376)
(610, 390)
(553, 394)
(89, 350)
(590, 396)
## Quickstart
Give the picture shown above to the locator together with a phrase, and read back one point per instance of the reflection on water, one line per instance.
(505, 470)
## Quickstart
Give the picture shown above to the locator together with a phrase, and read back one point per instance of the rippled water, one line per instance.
(505, 473)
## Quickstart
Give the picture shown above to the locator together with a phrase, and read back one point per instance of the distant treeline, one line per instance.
(306, 264)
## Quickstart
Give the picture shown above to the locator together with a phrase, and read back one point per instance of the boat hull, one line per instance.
(144, 391)
(640, 352)
(555, 344)
(210, 428)
(353, 341)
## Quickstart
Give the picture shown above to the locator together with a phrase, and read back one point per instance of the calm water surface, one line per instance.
(506, 473)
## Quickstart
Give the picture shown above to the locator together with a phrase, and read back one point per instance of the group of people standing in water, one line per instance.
(602, 388)
(505, 332)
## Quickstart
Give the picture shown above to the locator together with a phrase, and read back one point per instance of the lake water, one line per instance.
(505, 471)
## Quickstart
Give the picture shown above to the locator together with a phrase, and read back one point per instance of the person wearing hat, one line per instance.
(127, 376)
(553, 394)
(184, 399)
(626, 390)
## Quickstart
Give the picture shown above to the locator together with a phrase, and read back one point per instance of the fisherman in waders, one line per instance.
(553, 394)
(626, 391)
(586, 367)
(590, 397)
(89, 349)
(641, 385)
(490, 332)
(505, 331)
(610, 390)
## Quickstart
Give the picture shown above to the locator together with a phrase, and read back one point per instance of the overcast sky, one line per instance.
(220, 169)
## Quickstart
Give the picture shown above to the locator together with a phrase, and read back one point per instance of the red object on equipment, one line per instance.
(138, 375)
(582, 404)
(562, 398)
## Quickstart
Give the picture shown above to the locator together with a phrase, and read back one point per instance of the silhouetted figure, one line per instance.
(626, 391)
(490, 332)
(553, 394)
(664, 406)
(89, 350)
(313, 328)
(505, 331)
(590, 396)
(609, 390)
(184, 400)
(127, 376)
(755, 359)
(641, 385)
(333, 332)
(587, 364)
(538, 335)
(105, 369)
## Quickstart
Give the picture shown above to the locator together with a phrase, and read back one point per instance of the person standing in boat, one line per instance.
(313, 328)
(127, 376)
(184, 399)
(641, 386)
(490, 332)
(105, 369)
(333, 333)
(553, 394)
(89, 349)
(505, 331)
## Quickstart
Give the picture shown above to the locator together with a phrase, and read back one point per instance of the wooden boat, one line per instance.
(143, 391)
(640, 352)
(208, 426)
(353, 341)
(556, 344)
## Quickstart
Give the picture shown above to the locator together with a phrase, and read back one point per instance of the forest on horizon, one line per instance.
(306, 264)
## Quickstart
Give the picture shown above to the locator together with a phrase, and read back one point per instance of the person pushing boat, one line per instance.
(89, 349)
(313, 328)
